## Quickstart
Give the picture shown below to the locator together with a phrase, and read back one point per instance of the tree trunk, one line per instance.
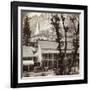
(65, 43)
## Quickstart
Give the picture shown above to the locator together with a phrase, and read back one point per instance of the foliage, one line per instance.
(55, 21)
(65, 30)
(75, 21)
(26, 31)
(64, 60)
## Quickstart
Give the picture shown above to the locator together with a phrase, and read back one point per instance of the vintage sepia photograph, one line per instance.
(50, 43)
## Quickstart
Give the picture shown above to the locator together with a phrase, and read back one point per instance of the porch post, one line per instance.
(28, 67)
(57, 63)
(52, 60)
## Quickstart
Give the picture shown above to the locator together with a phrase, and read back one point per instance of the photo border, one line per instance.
(14, 43)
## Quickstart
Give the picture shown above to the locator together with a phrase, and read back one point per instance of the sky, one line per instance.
(33, 14)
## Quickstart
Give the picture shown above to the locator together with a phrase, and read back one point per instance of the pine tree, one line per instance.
(26, 31)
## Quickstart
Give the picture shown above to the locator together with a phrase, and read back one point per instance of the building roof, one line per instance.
(52, 45)
(28, 62)
(44, 47)
(49, 51)
(28, 51)
(48, 45)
